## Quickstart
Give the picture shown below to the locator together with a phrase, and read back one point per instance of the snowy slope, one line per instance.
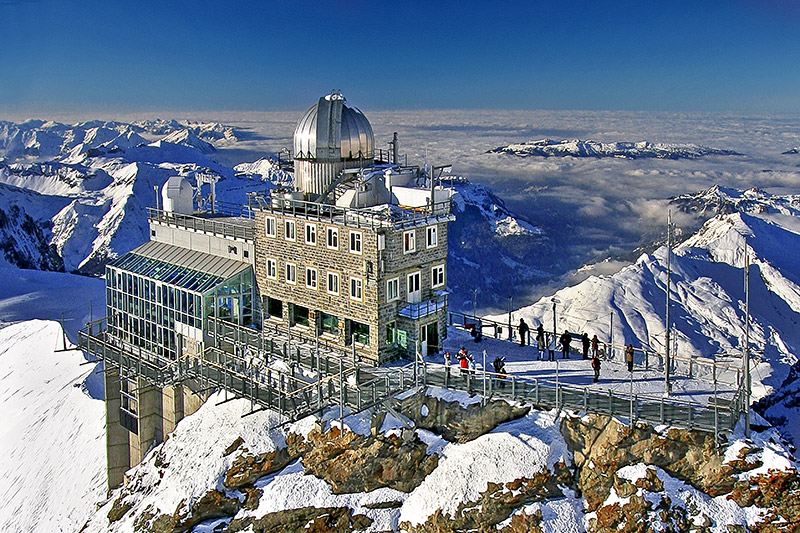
(96, 180)
(624, 150)
(707, 294)
(52, 439)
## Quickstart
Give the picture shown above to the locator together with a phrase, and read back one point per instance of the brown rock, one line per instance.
(456, 423)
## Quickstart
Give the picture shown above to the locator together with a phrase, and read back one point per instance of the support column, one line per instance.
(172, 407)
(150, 421)
(117, 446)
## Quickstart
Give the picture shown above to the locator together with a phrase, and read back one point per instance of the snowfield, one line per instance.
(52, 439)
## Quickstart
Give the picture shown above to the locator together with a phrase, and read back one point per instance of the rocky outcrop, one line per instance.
(497, 504)
(310, 519)
(355, 463)
(601, 446)
(779, 492)
(454, 422)
(246, 468)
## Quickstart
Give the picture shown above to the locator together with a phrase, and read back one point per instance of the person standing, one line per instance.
(524, 333)
(629, 357)
(565, 339)
(585, 345)
(540, 345)
(595, 343)
(596, 367)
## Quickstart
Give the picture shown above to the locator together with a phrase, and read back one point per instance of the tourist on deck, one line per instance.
(565, 339)
(629, 357)
(595, 343)
(540, 344)
(499, 365)
(446, 358)
(585, 345)
(596, 367)
(524, 333)
(463, 362)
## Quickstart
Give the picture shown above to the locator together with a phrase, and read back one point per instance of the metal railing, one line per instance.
(242, 229)
(239, 363)
(719, 416)
(396, 217)
(703, 369)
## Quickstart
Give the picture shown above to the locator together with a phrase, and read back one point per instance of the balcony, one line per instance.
(415, 311)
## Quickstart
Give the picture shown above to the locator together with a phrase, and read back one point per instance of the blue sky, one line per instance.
(735, 55)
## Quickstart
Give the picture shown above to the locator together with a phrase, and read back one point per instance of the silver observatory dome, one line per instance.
(333, 131)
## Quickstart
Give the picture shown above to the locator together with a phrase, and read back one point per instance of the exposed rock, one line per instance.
(607, 446)
(233, 446)
(779, 492)
(495, 505)
(120, 507)
(310, 519)
(212, 504)
(354, 463)
(246, 469)
(454, 422)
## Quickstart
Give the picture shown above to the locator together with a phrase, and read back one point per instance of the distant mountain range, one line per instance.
(623, 150)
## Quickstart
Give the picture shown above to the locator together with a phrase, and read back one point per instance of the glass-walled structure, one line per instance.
(157, 291)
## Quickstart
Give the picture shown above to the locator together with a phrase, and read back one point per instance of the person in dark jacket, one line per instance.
(540, 344)
(585, 343)
(596, 367)
(629, 357)
(595, 345)
(565, 339)
(524, 332)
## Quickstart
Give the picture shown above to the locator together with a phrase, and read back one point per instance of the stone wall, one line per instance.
(373, 266)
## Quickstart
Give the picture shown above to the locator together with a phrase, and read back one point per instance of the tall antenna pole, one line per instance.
(746, 339)
(669, 275)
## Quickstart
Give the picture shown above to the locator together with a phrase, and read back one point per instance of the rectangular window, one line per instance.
(311, 234)
(355, 242)
(311, 278)
(333, 283)
(329, 323)
(356, 288)
(437, 276)
(333, 238)
(391, 333)
(392, 289)
(300, 316)
(272, 269)
(270, 226)
(381, 241)
(289, 230)
(291, 273)
(432, 238)
(359, 332)
(409, 241)
(274, 308)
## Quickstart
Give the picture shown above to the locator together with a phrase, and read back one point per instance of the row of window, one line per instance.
(355, 236)
(413, 284)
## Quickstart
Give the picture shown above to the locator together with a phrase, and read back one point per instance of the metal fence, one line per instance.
(702, 369)
(242, 230)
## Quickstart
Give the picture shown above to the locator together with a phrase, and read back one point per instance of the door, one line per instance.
(423, 340)
(414, 288)
(432, 336)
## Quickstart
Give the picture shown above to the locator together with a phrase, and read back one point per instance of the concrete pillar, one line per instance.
(172, 407)
(150, 421)
(117, 447)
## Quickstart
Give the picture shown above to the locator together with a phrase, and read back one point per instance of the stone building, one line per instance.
(354, 258)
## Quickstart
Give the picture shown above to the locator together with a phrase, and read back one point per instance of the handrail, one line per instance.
(213, 225)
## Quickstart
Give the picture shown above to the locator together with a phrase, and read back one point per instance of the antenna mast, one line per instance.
(669, 275)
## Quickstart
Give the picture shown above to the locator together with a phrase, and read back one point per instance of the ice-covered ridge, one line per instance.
(624, 150)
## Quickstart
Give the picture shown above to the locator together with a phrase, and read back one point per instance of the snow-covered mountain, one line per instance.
(624, 150)
(707, 294)
(94, 182)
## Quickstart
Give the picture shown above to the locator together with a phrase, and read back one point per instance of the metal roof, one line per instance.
(331, 130)
(189, 269)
